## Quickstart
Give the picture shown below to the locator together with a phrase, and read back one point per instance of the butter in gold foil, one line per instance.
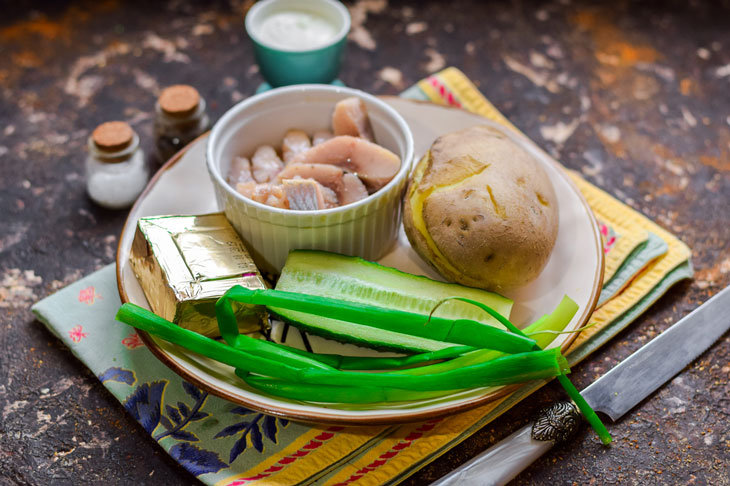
(185, 263)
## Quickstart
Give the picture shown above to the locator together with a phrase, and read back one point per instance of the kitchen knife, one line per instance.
(614, 394)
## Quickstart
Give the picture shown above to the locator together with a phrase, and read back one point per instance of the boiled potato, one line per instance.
(481, 210)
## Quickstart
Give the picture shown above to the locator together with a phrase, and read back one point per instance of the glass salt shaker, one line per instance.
(116, 172)
(180, 117)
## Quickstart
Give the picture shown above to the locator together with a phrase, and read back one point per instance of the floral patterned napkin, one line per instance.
(225, 444)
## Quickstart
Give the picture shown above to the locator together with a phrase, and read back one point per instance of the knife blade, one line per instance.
(614, 394)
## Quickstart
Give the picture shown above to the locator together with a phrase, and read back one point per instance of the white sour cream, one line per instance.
(296, 30)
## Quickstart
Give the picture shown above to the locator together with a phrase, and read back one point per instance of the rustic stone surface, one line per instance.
(636, 96)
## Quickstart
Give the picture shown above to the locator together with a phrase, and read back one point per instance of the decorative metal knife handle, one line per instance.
(502, 462)
(556, 422)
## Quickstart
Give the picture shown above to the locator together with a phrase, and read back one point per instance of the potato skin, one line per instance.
(487, 208)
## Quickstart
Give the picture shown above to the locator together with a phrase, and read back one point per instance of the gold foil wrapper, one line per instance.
(185, 263)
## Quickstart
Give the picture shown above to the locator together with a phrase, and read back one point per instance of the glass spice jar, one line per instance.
(180, 117)
(116, 172)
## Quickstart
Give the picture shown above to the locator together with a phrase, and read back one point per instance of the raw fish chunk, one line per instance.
(266, 164)
(269, 194)
(295, 142)
(246, 188)
(327, 175)
(351, 118)
(303, 194)
(277, 199)
(240, 171)
(347, 188)
(330, 198)
(353, 189)
(321, 136)
(373, 164)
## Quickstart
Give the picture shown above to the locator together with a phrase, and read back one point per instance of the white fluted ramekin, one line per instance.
(366, 228)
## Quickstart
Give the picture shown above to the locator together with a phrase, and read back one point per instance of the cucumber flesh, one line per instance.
(357, 280)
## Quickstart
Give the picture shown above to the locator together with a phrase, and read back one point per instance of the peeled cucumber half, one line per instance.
(357, 280)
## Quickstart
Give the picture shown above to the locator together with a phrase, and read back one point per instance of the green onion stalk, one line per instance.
(565, 308)
(459, 331)
(481, 355)
(266, 364)
(266, 359)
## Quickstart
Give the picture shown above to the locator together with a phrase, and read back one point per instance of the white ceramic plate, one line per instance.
(575, 268)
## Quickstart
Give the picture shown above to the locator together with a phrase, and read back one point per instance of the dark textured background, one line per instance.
(635, 95)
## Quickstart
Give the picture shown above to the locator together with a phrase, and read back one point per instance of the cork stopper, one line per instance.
(112, 136)
(179, 100)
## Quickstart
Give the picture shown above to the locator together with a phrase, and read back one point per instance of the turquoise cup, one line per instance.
(298, 41)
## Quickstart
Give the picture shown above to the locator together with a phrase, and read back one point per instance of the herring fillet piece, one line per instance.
(614, 394)
(373, 164)
(269, 194)
(265, 164)
(350, 117)
(240, 171)
(294, 143)
(353, 189)
(347, 187)
(303, 194)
